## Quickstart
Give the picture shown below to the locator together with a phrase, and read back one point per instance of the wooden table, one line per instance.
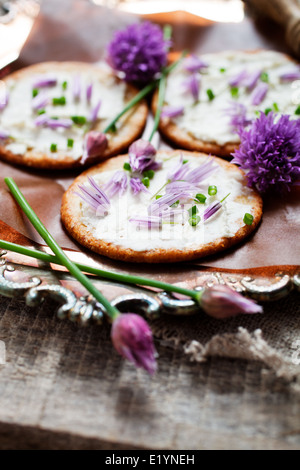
(62, 386)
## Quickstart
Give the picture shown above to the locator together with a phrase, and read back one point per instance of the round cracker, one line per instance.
(182, 138)
(130, 125)
(71, 214)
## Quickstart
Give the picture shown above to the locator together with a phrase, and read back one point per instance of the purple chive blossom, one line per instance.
(132, 338)
(221, 301)
(40, 101)
(76, 87)
(211, 210)
(252, 79)
(194, 64)
(3, 134)
(179, 171)
(259, 93)
(238, 79)
(41, 120)
(94, 196)
(142, 156)
(197, 175)
(137, 186)
(139, 52)
(89, 91)
(149, 222)
(172, 111)
(290, 76)
(94, 113)
(269, 152)
(117, 184)
(94, 145)
(44, 81)
(192, 85)
(57, 123)
(237, 113)
(4, 99)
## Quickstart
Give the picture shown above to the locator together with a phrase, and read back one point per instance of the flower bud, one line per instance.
(141, 155)
(132, 338)
(94, 145)
(220, 301)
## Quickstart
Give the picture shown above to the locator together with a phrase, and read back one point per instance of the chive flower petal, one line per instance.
(94, 196)
(172, 111)
(194, 64)
(259, 93)
(117, 184)
(44, 81)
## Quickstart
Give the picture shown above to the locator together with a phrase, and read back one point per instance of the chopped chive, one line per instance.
(149, 174)
(212, 190)
(257, 113)
(194, 220)
(193, 211)
(248, 218)
(79, 120)
(275, 107)
(297, 111)
(61, 101)
(158, 196)
(64, 85)
(175, 204)
(53, 147)
(113, 128)
(35, 92)
(70, 143)
(127, 166)
(222, 69)
(264, 77)
(234, 90)
(184, 162)
(200, 198)
(41, 111)
(146, 182)
(210, 94)
(267, 111)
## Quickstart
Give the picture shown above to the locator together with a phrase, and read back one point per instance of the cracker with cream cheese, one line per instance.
(192, 206)
(209, 98)
(47, 109)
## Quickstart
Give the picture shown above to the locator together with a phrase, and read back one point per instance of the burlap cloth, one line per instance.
(72, 30)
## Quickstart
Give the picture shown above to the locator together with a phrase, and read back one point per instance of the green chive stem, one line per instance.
(60, 254)
(127, 278)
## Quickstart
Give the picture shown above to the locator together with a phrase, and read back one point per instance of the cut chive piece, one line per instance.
(275, 107)
(158, 196)
(64, 85)
(248, 218)
(53, 147)
(267, 111)
(146, 182)
(70, 143)
(222, 69)
(79, 120)
(194, 220)
(127, 166)
(264, 77)
(212, 190)
(35, 92)
(61, 101)
(193, 211)
(210, 94)
(149, 174)
(184, 162)
(200, 198)
(297, 111)
(234, 90)
(41, 111)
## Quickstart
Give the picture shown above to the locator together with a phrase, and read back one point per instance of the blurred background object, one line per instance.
(16, 20)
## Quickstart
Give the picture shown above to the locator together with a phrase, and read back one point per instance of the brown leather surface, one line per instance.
(78, 30)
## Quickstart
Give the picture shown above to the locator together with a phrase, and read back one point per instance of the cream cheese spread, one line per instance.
(208, 118)
(19, 117)
(176, 233)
